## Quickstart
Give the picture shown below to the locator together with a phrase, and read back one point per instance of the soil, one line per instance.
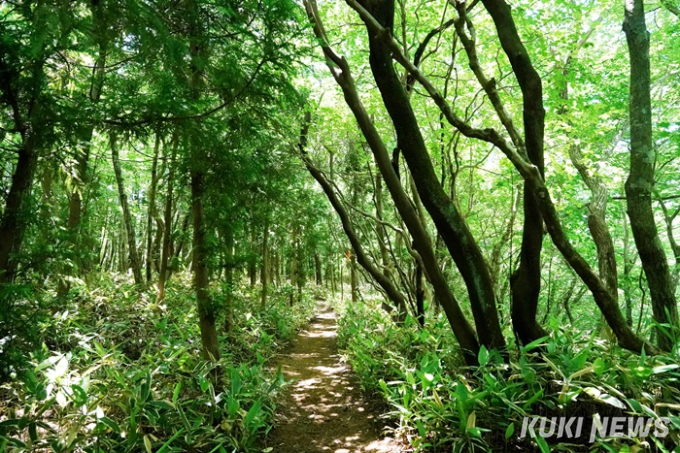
(324, 410)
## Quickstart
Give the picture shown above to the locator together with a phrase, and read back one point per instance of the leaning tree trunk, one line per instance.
(127, 217)
(610, 309)
(463, 331)
(363, 259)
(449, 222)
(640, 182)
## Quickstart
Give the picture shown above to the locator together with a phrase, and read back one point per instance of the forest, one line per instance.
(305, 226)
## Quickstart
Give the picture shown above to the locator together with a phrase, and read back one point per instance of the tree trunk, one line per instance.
(380, 228)
(277, 268)
(180, 245)
(205, 306)
(13, 225)
(331, 269)
(317, 267)
(151, 210)
(420, 296)
(422, 242)
(610, 309)
(449, 222)
(166, 249)
(206, 310)
(252, 261)
(264, 274)
(628, 263)
(85, 132)
(296, 262)
(526, 280)
(127, 217)
(640, 182)
(353, 279)
(229, 263)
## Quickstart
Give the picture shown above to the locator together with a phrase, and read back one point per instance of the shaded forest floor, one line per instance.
(324, 410)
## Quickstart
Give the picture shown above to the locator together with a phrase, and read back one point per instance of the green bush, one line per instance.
(22, 308)
(117, 372)
(437, 404)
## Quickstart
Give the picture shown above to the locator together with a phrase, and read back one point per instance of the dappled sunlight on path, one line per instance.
(324, 411)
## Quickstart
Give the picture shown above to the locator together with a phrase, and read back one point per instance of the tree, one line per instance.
(640, 182)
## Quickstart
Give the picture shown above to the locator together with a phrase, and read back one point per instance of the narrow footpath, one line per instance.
(324, 410)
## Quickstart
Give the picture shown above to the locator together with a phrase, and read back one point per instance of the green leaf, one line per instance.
(145, 392)
(111, 424)
(175, 394)
(534, 344)
(665, 368)
(599, 366)
(509, 431)
(542, 444)
(166, 445)
(483, 356)
(252, 413)
(147, 444)
(604, 397)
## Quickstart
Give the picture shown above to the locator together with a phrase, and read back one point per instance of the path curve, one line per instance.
(324, 410)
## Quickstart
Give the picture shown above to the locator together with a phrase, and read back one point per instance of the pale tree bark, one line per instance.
(597, 207)
(127, 216)
(628, 263)
(640, 182)
(354, 278)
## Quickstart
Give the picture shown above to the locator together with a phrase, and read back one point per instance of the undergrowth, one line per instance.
(115, 372)
(436, 404)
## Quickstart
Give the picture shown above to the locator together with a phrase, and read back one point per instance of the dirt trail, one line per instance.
(324, 410)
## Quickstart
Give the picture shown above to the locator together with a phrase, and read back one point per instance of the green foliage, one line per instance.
(120, 373)
(22, 310)
(435, 406)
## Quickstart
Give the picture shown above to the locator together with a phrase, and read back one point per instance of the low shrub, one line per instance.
(117, 372)
(436, 404)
